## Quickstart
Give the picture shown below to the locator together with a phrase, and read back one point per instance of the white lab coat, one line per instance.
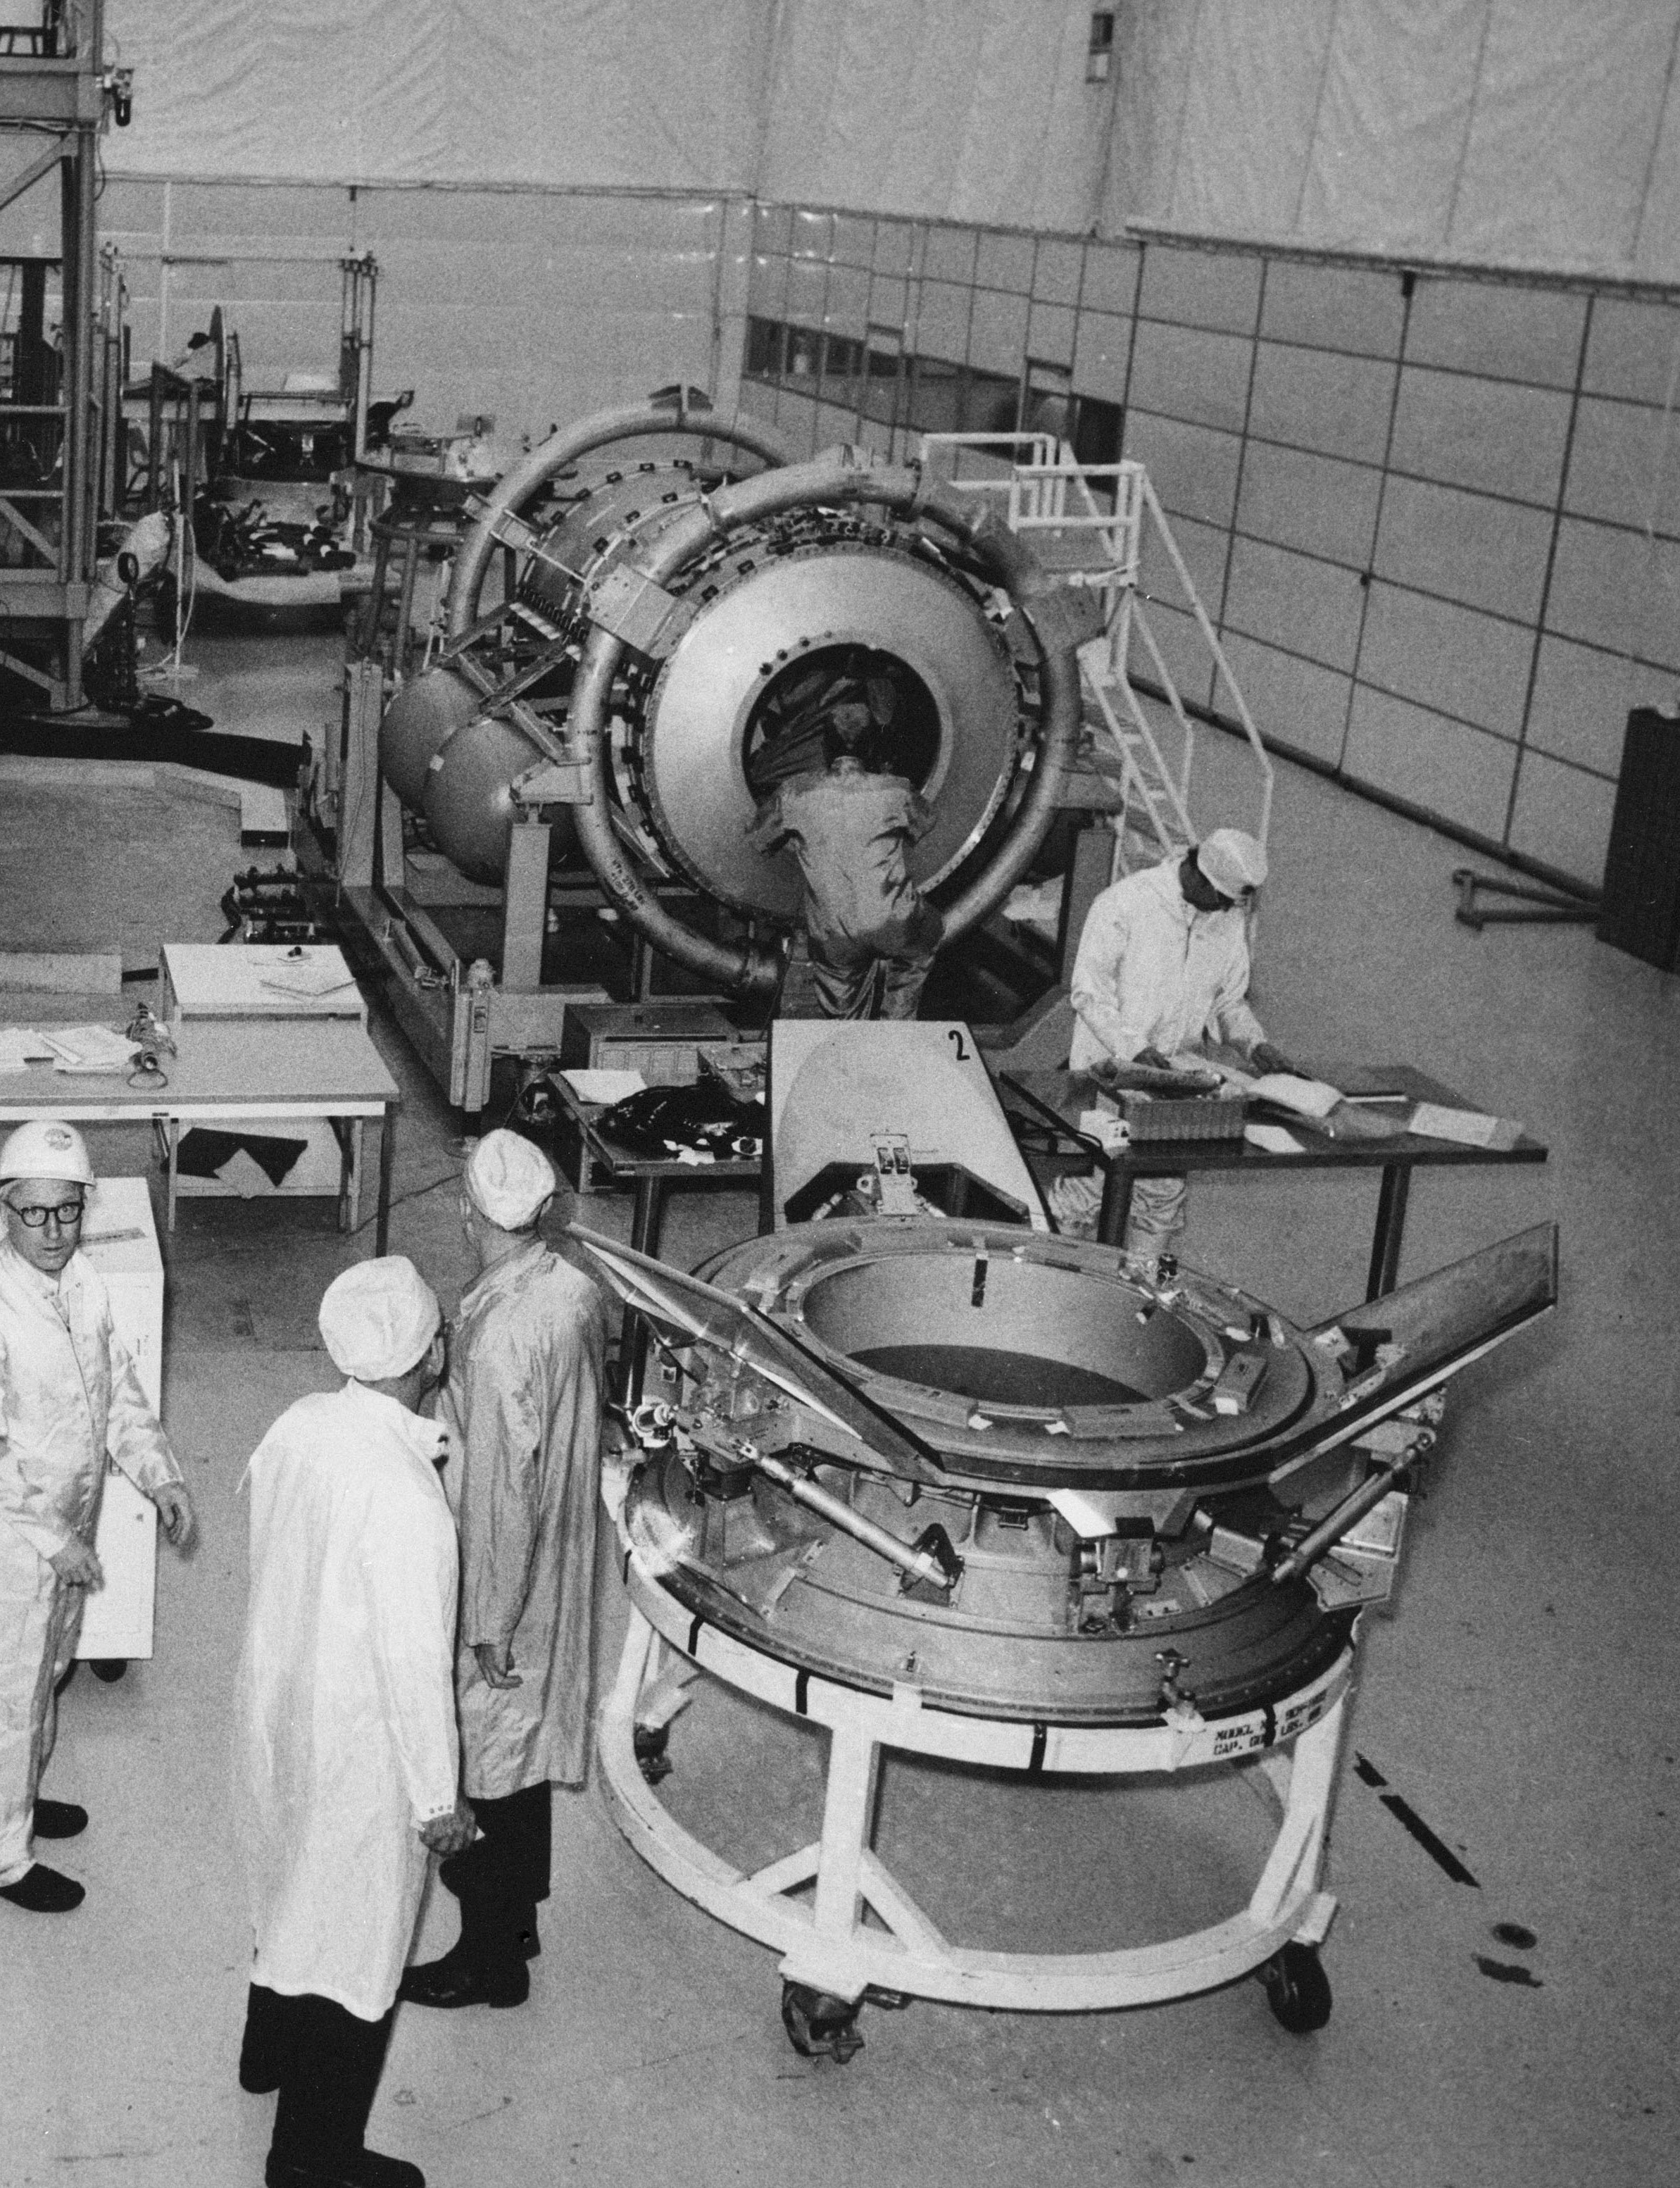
(1154, 973)
(526, 1360)
(69, 1394)
(345, 1721)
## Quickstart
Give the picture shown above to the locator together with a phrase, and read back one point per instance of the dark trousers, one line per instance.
(326, 2063)
(502, 1876)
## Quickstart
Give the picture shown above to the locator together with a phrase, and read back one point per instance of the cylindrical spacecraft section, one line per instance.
(681, 639)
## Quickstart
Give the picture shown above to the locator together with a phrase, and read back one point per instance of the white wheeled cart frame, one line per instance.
(832, 1954)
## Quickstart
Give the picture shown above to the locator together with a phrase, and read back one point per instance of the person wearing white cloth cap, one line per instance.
(1162, 966)
(70, 1395)
(347, 1761)
(526, 1364)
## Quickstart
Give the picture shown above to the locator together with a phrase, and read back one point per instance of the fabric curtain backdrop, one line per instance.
(620, 94)
(1530, 133)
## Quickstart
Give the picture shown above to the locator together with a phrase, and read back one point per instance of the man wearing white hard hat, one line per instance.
(69, 1397)
(526, 1363)
(347, 1768)
(1163, 967)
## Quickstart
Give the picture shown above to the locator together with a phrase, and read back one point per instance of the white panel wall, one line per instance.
(1436, 520)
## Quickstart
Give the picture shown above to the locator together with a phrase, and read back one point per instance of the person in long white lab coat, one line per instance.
(347, 1763)
(70, 1395)
(1163, 967)
(526, 1363)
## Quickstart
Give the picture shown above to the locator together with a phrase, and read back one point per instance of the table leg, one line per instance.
(388, 1163)
(350, 1193)
(1390, 1229)
(174, 1154)
(645, 1224)
(1116, 1209)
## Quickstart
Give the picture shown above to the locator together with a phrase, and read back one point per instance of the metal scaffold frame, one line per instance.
(52, 82)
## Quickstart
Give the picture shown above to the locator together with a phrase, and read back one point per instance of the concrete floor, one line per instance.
(1521, 1701)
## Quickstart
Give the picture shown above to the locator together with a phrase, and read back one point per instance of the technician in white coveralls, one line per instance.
(69, 1395)
(347, 1757)
(526, 1355)
(1162, 966)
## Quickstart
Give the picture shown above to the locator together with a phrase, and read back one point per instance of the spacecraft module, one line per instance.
(969, 1490)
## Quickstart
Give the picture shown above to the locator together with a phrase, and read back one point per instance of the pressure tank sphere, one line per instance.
(426, 711)
(468, 800)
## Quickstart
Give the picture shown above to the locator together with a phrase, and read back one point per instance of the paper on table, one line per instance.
(1308, 1097)
(20, 1046)
(604, 1085)
(308, 980)
(1469, 1127)
(89, 1048)
(1273, 1139)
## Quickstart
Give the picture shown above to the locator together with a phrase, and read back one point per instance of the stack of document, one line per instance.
(20, 1046)
(1307, 1097)
(89, 1048)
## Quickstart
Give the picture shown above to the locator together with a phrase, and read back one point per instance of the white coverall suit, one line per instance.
(69, 1394)
(526, 1364)
(1154, 973)
(346, 1738)
(527, 1361)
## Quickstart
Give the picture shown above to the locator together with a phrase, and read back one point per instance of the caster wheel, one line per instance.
(110, 1669)
(1297, 1988)
(819, 2025)
(650, 1741)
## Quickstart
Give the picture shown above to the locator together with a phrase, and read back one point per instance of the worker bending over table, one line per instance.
(69, 1394)
(871, 936)
(523, 1403)
(1162, 966)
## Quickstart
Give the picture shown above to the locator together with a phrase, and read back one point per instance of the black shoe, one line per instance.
(59, 1819)
(265, 2045)
(110, 1669)
(43, 1892)
(369, 2169)
(455, 1982)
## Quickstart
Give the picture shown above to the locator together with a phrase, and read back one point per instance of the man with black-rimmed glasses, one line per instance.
(69, 1395)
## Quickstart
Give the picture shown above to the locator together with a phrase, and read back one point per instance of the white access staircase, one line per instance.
(1058, 503)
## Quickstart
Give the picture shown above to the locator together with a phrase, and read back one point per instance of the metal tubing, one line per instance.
(1330, 1529)
(919, 1564)
(561, 450)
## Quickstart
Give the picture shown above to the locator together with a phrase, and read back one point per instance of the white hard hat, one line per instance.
(1232, 862)
(379, 1318)
(46, 1148)
(508, 1179)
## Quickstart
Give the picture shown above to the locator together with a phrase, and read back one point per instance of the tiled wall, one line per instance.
(1436, 521)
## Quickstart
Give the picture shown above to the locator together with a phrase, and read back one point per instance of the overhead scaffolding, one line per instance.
(54, 412)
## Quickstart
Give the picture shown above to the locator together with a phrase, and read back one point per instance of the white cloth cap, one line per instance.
(508, 1179)
(378, 1318)
(1232, 861)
